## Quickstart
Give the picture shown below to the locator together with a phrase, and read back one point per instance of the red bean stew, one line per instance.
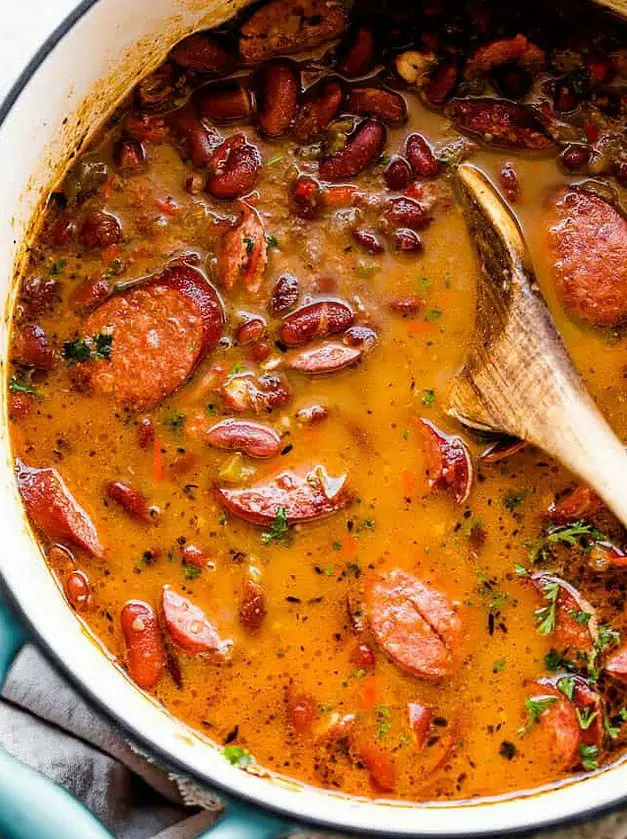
(229, 371)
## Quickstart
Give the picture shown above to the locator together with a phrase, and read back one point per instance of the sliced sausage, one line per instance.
(243, 254)
(588, 242)
(420, 719)
(386, 105)
(160, 331)
(200, 52)
(517, 50)
(251, 438)
(284, 27)
(302, 497)
(233, 168)
(145, 652)
(189, 627)
(499, 122)
(321, 105)
(559, 611)
(379, 764)
(322, 359)
(418, 626)
(278, 93)
(223, 101)
(579, 502)
(557, 735)
(448, 461)
(54, 510)
(315, 320)
(363, 147)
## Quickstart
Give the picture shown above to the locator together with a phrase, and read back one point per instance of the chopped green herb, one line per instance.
(424, 283)
(567, 686)
(238, 756)
(325, 707)
(191, 571)
(359, 674)
(24, 386)
(279, 529)
(366, 524)
(88, 349)
(329, 571)
(580, 616)
(471, 527)
(249, 245)
(404, 739)
(384, 159)
(499, 665)
(223, 519)
(586, 717)
(336, 545)
(433, 315)
(513, 500)
(428, 397)
(353, 569)
(274, 160)
(536, 706)
(57, 266)
(272, 241)
(236, 369)
(520, 570)
(545, 616)
(507, 749)
(384, 720)
(405, 434)
(589, 756)
(211, 409)
(174, 421)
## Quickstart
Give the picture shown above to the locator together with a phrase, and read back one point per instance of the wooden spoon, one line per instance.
(518, 377)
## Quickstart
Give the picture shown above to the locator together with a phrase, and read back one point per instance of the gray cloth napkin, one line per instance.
(46, 724)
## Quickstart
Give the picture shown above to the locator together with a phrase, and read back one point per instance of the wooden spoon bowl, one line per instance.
(518, 377)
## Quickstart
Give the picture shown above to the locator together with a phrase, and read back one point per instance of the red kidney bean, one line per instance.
(259, 351)
(404, 212)
(420, 156)
(407, 241)
(251, 438)
(146, 432)
(197, 141)
(61, 231)
(250, 331)
(100, 230)
(223, 101)
(78, 591)
(322, 104)
(200, 52)
(442, 83)
(306, 197)
(362, 657)
(146, 128)
(368, 239)
(32, 348)
(357, 54)
(385, 105)
(20, 406)
(329, 357)
(278, 95)
(312, 414)
(363, 146)
(284, 295)
(406, 307)
(301, 711)
(89, 294)
(129, 154)
(233, 168)
(40, 294)
(145, 651)
(315, 320)
(362, 337)
(509, 182)
(253, 606)
(397, 174)
(129, 498)
(448, 461)
(575, 156)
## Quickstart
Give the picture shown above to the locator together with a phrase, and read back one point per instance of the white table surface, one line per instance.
(25, 25)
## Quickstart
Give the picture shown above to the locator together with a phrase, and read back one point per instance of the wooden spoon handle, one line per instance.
(518, 377)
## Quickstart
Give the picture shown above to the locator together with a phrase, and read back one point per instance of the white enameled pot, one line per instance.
(78, 76)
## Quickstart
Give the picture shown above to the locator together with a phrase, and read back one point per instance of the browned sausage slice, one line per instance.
(559, 612)
(145, 653)
(54, 510)
(499, 122)
(417, 625)
(557, 736)
(189, 627)
(448, 461)
(579, 502)
(243, 254)
(301, 497)
(588, 241)
(284, 27)
(160, 331)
